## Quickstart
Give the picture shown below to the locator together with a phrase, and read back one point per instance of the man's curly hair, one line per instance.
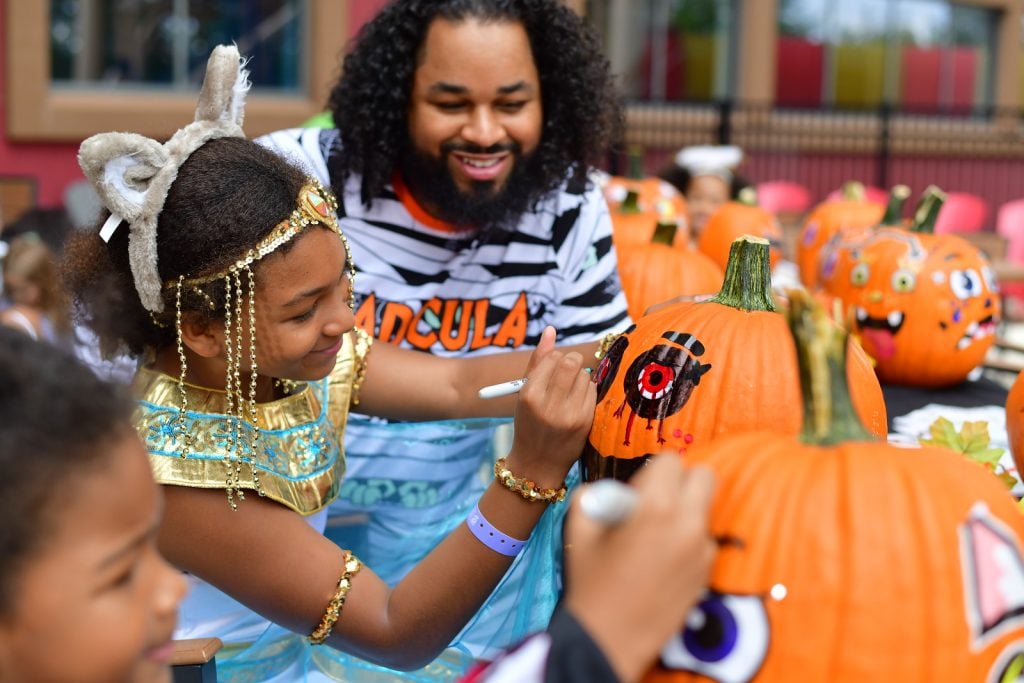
(582, 110)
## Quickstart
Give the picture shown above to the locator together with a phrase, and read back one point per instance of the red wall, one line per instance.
(52, 165)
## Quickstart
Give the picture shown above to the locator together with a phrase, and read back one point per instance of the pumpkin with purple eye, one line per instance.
(690, 372)
(844, 559)
(925, 306)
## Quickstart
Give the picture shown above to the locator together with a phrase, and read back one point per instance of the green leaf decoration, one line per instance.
(972, 441)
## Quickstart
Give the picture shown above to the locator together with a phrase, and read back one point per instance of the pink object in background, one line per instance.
(961, 212)
(784, 196)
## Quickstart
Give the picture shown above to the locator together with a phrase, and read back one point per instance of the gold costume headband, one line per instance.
(314, 206)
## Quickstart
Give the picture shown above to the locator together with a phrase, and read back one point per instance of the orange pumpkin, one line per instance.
(734, 219)
(926, 306)
(845, 559)
(691, 372)
(651, 194)
(827, 218)
(657, 271)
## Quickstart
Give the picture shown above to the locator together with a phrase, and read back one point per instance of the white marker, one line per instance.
(608, 501)
(504, 389)
(510, 387)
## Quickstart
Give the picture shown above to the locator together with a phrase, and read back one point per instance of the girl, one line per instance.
(233, 279)
(84, 595)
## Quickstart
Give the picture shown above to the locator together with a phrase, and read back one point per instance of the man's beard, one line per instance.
(485, 207)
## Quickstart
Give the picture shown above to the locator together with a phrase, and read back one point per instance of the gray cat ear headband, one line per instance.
(133, 173)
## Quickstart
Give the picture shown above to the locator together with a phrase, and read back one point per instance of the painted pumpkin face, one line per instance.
(691, 372)
(926, 307)
(853, 563)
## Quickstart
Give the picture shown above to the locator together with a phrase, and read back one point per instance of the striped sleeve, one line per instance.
(304, 147)
(593, 302)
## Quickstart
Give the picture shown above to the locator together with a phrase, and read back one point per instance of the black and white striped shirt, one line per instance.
(424, 285)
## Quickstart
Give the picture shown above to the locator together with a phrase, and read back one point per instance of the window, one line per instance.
(165, 43)
(918, 55)
(674, 50)
(84, 66)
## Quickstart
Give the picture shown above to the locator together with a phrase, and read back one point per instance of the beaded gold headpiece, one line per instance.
(314, 206)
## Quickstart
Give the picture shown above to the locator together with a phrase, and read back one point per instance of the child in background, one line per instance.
(84, 595)
(38, 306)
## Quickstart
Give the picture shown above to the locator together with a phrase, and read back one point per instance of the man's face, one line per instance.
(475, 117)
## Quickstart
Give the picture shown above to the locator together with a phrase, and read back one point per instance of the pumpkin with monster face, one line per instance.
(851, 210)
(926, 306)
(844, 559)
(691, 372)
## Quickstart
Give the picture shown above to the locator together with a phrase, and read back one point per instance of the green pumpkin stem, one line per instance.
(853, 191)
(636, 162)
(748, 276)
(664, 232)
(631, 204)
(894, 209)
(829, 416)
(927, 211)
(747, 195)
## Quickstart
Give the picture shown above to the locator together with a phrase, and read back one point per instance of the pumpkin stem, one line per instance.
(748, 276)
(747, 195)
(829, 416)
(853, 191)
(894, 209)
(631, 204)
(636, 162)
(927, 211)
(664, 232)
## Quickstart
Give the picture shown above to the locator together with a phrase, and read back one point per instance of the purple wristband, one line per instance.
(490, 536)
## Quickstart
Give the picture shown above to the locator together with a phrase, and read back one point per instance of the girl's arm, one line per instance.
(413, 385)
(268, 558)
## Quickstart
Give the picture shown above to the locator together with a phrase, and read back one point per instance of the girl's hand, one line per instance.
(553, 414)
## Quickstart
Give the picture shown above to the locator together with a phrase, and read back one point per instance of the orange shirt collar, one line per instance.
(417, 211)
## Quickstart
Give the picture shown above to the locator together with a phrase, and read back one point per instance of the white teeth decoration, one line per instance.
(862, 314)
(963, 343)
(895, 319)
(972, 329)
(655, 395)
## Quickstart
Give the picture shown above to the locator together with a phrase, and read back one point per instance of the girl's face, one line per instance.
(704, 195)
(98, 603)
(302, 307)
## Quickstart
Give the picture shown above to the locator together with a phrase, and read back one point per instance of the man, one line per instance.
(465, 130)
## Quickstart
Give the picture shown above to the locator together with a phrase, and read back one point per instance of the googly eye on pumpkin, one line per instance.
(965, 283)
(725, 639)
(860, 274)
(989, 276)
(904, 280)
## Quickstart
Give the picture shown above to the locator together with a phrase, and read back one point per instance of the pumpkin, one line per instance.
(689, 372)
(825, 220)
(734, 219)
(635, 192)
(846, 559)
(925, 306)
(657, 271)
(834, 258)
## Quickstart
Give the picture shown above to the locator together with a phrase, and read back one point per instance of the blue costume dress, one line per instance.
(300, 464)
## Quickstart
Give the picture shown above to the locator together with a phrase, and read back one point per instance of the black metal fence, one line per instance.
(978, 151)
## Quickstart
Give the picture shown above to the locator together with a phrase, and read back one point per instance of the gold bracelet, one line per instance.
(333, 611)
(524, 487)
(605, 344)
(363, 343)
